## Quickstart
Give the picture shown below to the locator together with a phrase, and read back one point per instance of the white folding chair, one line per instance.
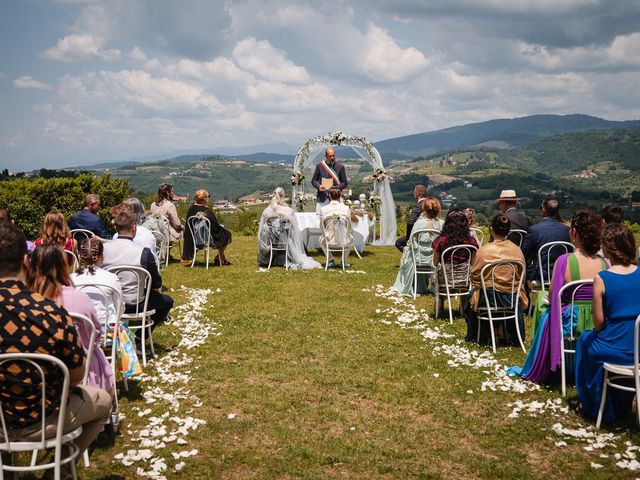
(419, 242)
(73, 261)
(278, 233)
(576, 291)
(337, 237)
(161, 248)
(479, 234)
(516, 236)
(490, 310)
(165, 222)
(136, 284)
(113, 306)
(454, 277)
(200, 230)
(80, 234)
(9, 445)
(615, 373)
(546, 267)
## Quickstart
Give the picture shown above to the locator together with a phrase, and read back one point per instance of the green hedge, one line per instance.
(29, 200)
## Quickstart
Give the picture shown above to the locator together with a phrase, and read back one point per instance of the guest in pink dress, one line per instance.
(49, 276)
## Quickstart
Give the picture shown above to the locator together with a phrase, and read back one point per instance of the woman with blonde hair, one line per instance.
(55, 230)
(49, 276)
(427, 220)
(219, 237)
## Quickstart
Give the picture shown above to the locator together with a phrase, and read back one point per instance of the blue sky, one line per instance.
(86, 81)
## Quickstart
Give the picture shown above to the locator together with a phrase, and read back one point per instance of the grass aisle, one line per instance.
(313, 376)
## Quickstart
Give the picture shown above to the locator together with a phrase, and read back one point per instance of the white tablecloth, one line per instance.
(309, 226)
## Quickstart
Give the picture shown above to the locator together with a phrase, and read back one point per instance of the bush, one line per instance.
(29, 200)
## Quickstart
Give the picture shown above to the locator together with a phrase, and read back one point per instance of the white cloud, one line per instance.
(16, 139)
(261, 58)
(384, 61)
(137, 54)
(26, 82)
(78, 48)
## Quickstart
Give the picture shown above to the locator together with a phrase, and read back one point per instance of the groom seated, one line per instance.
(335, 208)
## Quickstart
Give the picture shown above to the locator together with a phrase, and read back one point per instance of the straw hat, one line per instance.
(507, 195)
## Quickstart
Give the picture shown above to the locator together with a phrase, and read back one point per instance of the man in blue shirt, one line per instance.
(88, 219)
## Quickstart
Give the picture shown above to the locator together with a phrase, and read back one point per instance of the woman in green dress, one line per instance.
(428, 220)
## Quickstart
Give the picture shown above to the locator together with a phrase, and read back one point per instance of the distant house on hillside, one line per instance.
(587, 173)
(180, 198)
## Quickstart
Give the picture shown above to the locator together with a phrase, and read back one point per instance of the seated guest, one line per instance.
(455, 231)
(584, 263)
(419, 193)
(5, 216)
(470, 213)
(91, 258)
(615, 308)
(335, 207)
(150, 222)
(164, 206)
(549, 229)
(55, 230)
(611, 213)
(297, 259)
(49, 276)
(507, 202)
(143, 236)
(123, 252)
(499, 249)
(88, 219)
(46, 328)
(219, 237)
(428, 220)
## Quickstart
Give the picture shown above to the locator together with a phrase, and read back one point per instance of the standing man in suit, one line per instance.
(419, 194)
(333, 172)
(88, 218)
(549, 229)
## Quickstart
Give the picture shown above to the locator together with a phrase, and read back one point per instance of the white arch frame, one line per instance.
(381, 189)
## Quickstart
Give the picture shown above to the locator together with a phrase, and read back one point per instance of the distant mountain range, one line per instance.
(502, 133)
(491, 135)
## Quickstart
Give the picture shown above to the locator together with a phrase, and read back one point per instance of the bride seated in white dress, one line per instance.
(278, 213)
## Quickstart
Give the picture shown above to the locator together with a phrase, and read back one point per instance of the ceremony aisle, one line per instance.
(314, 374)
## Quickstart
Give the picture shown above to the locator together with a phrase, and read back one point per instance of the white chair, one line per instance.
(200, 230)
(488, 309)
(73, 261)
(136, 283)
(165, 222)
(278, 233)
(10, 445)
(614, 373)
(517, 236)
(337, 237)
(161, 250)
(578, 290)
(546, 268)
(479, 235)
(419, 241)
(80, 234)
(454, 277)
(113, 306)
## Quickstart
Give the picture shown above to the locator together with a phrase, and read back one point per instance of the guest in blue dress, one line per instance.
(615, 308)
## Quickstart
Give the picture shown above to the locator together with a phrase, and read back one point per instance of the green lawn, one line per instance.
(322, 380)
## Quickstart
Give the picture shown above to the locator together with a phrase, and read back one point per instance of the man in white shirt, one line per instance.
(336, 208)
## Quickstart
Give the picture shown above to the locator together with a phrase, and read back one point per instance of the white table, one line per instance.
(309, 227)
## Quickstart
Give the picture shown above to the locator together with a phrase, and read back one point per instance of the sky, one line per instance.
(83, 81)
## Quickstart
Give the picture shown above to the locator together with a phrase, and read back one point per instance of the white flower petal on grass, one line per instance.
(596, 465)
(231, 416)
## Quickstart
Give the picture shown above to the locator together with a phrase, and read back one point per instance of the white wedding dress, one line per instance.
(298, 260)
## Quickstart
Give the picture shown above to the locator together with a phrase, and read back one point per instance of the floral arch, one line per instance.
(381, 198)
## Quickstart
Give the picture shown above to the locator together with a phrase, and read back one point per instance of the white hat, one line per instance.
(507, 195)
